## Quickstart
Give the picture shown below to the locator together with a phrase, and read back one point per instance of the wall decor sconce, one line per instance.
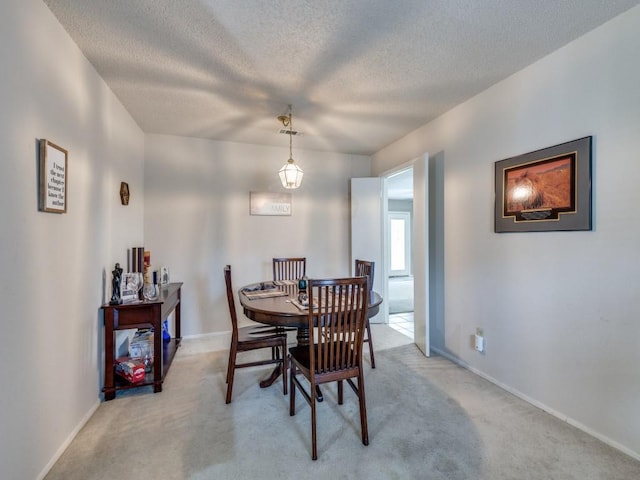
(124, 193)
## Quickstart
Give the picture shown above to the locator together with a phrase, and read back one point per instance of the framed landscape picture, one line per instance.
(545, 190)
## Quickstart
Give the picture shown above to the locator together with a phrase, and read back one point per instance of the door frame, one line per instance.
(420, 245)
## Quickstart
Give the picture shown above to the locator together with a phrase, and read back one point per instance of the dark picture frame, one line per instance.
(545, 190)
(53, 177)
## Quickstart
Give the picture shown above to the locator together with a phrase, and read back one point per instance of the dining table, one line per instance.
(274, 303)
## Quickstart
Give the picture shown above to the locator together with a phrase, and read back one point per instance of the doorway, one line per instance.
(399, 188)
(370, 238)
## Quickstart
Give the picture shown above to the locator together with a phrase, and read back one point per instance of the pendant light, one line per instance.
(290, 173)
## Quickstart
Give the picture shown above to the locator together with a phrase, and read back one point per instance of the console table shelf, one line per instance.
(142, 314)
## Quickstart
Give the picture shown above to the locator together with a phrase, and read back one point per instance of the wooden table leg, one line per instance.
(303, 336)
(267, 382)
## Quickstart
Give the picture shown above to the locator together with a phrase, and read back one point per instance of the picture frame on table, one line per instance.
(545, 190)
(53, 177)
(130, 286)
(164, 275)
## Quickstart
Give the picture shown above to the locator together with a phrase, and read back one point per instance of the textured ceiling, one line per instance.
(360, 74)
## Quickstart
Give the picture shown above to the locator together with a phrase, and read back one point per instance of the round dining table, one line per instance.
(271, 303)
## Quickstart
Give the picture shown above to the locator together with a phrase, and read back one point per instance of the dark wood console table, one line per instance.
(142, 314)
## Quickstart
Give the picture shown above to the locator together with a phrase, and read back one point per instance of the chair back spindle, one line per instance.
(231, 301)
(289, 268)
(341, 315)
(367, 268)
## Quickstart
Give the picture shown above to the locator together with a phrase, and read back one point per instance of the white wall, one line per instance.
(197, 217)
(53, 264)
(559, 309)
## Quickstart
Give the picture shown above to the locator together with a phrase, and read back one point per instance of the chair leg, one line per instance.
(229, 363)
(314, 447)
(340, 393)
(284, 368)
(370, 342)
(292, 390)
(363, 409)
(230, 371)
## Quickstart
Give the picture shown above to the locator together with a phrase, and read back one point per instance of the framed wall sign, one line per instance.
(545, 190)
(53, 177)
(269, 203)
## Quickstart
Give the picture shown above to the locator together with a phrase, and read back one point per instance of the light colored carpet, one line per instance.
(400, 295)
(428, 419)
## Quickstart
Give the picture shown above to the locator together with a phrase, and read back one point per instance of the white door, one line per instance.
(367, 212)
(421, 253)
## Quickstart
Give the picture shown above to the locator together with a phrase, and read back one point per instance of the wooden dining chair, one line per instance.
(292, 268)
(248, 338)
(366, 268)
(334, 353)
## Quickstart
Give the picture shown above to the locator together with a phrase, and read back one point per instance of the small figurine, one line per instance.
(303, 296)
(115, 285)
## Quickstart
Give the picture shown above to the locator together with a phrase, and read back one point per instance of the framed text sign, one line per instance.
(269, 203)
(545, 190)
(53, 177)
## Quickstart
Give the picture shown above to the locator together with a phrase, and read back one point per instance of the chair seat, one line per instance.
(300, 355)
(251, 335)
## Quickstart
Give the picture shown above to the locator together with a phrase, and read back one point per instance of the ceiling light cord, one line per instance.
(290, 136)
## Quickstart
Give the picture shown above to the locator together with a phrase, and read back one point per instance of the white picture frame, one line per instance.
(53, 177)
(130, 286)
(268, 203)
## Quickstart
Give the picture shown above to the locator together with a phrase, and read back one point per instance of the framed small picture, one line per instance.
(545, 190)
(131, 284)
(164, 275)
(53, 177)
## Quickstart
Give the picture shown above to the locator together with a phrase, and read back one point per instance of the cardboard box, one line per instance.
(130, 369)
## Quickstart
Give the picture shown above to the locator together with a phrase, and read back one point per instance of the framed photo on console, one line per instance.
(164, 275)
(131, 285)
(545, 190)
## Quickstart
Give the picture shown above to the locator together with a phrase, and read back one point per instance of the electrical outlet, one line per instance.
(479, 340)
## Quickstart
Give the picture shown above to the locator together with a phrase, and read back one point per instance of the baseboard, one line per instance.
(540, 405)
(68, 441)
